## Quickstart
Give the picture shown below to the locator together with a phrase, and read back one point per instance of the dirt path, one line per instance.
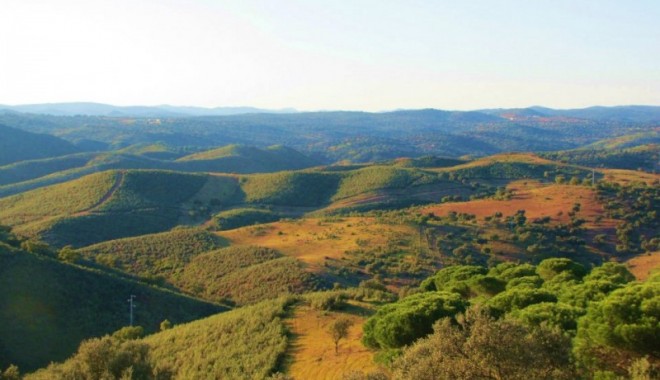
(106, 197)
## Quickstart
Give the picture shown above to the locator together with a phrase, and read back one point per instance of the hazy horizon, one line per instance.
(313, 56)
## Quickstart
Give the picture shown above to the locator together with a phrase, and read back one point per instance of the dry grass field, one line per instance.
(538, 200)
(315, 239)
(625, 177)
(642, 265)
(311, 353)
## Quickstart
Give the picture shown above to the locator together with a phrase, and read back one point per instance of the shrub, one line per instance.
(401, 323)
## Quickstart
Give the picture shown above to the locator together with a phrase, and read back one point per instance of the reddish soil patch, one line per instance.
(536, 199)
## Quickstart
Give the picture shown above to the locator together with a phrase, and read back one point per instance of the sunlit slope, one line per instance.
(47, 308)
(102, 206)
(246, 343)
(245, 275)
(161, 255)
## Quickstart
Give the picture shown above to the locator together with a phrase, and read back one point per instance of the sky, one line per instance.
(330, 55)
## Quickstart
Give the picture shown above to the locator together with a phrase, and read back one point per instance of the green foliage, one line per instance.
(338, 330)
(241, 217)
(68, 254)
(624, 326)
(11, 373)
(557, 314)
(550, 268)
(48, 307)
(329, 300)
(399, 324)
(446, 278)
(165, 325)
(246, 343)
(129, 333)
(519, 298)
(103, 358)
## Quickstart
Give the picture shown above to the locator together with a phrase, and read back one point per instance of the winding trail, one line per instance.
(106, 197)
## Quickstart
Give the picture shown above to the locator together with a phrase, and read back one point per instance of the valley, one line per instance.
(242, 255)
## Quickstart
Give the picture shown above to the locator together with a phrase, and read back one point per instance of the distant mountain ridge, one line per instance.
(99, 109)
(633, 113)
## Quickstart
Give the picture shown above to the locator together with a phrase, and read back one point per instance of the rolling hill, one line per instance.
(18, 145)
(357, 136)
(47, 307)
(28, 175)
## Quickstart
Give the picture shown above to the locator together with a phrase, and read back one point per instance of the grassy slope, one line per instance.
(246, 343)
(47, 308)
(28, 175)
(146, 202)
(55, 201)
(244, 274)
(162, 254)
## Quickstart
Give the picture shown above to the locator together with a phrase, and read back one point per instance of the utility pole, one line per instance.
(593, 177)
(131, 307)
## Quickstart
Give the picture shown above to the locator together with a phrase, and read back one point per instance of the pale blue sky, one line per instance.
(355, 55)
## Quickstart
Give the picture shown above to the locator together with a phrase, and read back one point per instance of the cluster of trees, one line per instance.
(637, 206)
(553, 320)
(644, 158)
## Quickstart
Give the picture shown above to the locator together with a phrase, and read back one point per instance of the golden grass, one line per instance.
(642, 265)
(625, 177)
(312, 353)
(312, 240)
(536, 199)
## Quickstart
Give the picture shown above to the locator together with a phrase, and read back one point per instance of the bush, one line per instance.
(401, 323)
(550, 268)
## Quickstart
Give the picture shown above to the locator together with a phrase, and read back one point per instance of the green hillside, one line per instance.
(47, 308)
(29, 175)
(374, 178)
(247, 343)
(56, 201)
(102, 206)
(18, 145)
(244, 275)
(643, 157)
(302, 188)
(244, 159)
(160, 255)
